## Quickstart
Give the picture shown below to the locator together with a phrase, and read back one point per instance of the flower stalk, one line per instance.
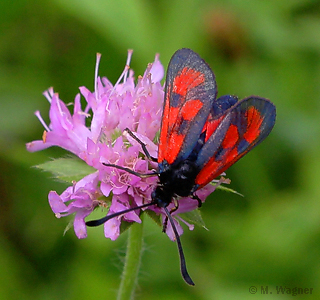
(131, 268)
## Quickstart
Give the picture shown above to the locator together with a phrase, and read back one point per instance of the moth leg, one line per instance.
(195, 197)
(143, 145)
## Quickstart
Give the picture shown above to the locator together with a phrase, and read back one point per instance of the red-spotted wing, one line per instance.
(232, 134)
(190, 95)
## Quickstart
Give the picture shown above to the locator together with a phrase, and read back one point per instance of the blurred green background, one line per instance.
(269, 238)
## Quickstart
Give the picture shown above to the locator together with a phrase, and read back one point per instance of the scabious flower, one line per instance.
(109, 110)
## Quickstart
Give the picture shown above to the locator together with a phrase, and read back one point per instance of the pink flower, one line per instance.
(111, 109)
(82, 197)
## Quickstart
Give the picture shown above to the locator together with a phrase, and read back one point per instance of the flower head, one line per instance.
(111, 109)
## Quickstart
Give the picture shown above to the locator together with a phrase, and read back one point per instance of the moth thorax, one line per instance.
(179, 179)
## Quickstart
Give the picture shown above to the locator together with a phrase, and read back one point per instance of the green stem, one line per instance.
(129, 277)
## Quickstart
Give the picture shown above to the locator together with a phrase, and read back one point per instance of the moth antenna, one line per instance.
(142, 144)
(183, 266)
(94, 223)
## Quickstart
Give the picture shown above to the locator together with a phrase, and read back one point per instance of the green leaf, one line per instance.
(194, 217)
(154, 217)
(226, 189)
(124, 226)
(67, 169)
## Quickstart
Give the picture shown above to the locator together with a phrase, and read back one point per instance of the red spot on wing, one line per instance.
(186, 80)
(164, 131)
(231, 137)
(254, 121)
(210, 127)
(229, 159)
(167, 136)
(208, 172)
(215, 167)
(174, 146)
(173, 115)
(190, 109)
